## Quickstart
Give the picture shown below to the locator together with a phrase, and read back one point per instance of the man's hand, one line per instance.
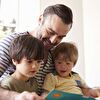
(28, 96)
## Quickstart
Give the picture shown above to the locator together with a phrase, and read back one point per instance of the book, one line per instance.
(59, 95)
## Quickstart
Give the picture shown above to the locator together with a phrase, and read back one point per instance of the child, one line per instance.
(65, 56)
(27, 53)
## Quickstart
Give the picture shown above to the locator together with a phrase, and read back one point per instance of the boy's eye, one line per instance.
(40, 61)
(59, 62)
(29, 61)
(67, 63)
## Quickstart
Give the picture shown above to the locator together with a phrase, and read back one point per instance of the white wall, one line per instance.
(91, 41)
(76, 33)
(29, 11)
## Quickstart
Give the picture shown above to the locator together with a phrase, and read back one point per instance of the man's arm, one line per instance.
(43, 71)
(10, 95)
(7, 95)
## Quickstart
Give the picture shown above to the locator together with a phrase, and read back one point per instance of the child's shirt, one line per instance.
(72, 83)
(11, 83)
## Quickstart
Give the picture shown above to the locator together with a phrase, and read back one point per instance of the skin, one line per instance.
(63, 67)
(28, 96)
(26, 68)
(10, 95)
(51, 30)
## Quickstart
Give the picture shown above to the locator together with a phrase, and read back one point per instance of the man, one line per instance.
(54, 24)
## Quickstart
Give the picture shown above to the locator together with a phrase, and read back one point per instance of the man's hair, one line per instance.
(68, 50)
(64, 12)
(26, 46)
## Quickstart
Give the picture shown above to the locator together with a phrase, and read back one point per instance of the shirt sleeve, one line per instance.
(43, 71)
(5, 60)
(50, 82)
(5, 83)
(81, 83)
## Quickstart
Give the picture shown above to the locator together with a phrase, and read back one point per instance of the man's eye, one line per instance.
(48, 32)
(51, 33)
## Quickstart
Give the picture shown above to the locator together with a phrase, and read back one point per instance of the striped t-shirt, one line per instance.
(6, 66)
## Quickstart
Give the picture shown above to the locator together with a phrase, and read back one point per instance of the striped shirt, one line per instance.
(5, 60)
(6, 66)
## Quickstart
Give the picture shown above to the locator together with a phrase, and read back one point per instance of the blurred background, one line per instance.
(22, 15)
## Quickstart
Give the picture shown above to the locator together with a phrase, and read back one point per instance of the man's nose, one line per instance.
(54, 39)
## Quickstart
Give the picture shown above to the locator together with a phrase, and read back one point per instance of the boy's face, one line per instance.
(63, 66)
(27, 68)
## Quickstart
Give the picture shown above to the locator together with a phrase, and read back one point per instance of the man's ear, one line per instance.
(40, 20)
(14, 62)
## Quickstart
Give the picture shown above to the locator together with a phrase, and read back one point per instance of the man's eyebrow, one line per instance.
(52, 31)
(56, 32)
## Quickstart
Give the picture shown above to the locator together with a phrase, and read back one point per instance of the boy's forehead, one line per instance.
(61, 56)
(25, 59)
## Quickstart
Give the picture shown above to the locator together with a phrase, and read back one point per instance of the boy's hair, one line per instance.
(26, 46)
(68, 50)
(64, 12)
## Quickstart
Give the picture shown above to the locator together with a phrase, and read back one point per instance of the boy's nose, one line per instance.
(35, 64)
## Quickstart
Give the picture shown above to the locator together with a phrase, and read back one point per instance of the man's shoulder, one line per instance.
(18, 34)
(11, 36)
(7, 79)
(6, 82)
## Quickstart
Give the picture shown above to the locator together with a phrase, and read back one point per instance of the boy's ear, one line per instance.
(14, 62)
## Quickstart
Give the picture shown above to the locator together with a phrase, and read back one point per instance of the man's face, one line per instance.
(52, 31)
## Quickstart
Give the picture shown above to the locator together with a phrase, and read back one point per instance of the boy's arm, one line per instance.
(49, 82)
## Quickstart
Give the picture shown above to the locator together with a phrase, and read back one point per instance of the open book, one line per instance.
(59, 95)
